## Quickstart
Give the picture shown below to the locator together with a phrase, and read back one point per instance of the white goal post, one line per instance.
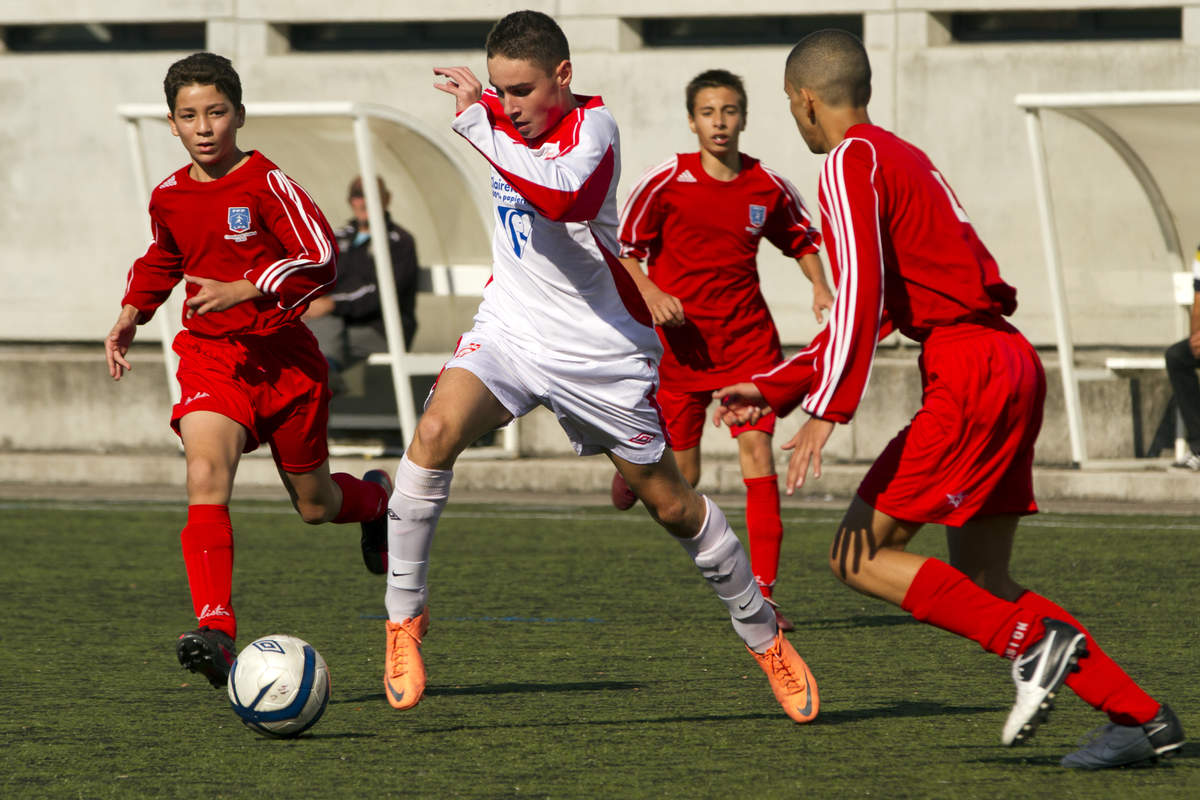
(324, 144)
(1153, 134)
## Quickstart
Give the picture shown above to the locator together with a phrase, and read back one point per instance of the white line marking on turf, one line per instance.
(549, 513)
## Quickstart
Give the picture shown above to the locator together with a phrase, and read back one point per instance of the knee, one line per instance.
(436, 438)
(852, 557)
(205, 476)
(673, 512)
(313, 513)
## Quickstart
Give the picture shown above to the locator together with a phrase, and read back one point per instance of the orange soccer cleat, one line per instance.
(791, 679)
(404, 671)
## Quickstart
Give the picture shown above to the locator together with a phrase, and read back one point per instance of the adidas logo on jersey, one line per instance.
(686, 177)
(168, 183)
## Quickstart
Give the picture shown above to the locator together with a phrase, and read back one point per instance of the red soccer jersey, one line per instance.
(699, 237)
(903, 253)
(254, 223)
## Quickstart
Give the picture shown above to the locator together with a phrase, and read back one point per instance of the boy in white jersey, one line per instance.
(561, 325)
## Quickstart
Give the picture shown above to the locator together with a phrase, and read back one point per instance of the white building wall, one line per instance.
(70, 220)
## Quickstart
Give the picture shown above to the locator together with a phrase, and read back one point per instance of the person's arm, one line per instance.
(152, 277)
(116, 344)
(309, 266)
(568, 187)
(665, 309)
(810, 265)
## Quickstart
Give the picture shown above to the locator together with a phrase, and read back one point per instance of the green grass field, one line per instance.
(574, 653)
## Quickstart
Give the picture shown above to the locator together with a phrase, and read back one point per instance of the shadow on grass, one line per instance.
(902, 709)
(1187, 753)
(512, 688)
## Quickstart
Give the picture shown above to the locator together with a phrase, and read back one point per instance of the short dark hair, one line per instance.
(714, 79)
(529, 36)
(833, 64)
(206, 69)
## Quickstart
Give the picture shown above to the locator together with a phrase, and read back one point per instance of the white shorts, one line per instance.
(604, 406)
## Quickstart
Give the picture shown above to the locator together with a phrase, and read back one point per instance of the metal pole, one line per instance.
(1062, 327)
(133, 130)
(384, 277)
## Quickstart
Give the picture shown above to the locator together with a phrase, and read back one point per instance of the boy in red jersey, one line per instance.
(254, 250)
(696, 220)
(561, 325)
(904, 254)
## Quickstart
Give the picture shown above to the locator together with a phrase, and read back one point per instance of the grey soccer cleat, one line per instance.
(1124, 745)
(1039, 672)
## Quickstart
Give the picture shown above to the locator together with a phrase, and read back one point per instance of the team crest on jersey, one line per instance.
(239, 223)
(239, 219)
(517, 226)
(758, 215)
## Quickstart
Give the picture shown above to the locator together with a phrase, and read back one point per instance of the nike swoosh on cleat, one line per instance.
(808, 697)
(398, 697)
(743, 607)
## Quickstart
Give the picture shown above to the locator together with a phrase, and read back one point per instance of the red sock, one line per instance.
(1099, 681)
(764, 529)
(208, 555)
(941, 595)
(362, 501)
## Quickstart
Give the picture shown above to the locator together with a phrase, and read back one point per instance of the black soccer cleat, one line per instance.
(1039, 672)
(374, 532)
(1125, 745)
(209, 652)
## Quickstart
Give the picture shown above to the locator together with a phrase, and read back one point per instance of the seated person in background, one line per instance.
(1183, 358)
(348, 322)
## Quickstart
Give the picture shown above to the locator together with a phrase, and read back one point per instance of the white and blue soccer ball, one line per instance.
(279, 686)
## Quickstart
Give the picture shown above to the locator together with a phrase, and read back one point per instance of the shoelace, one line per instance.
(780, 669)
(400, 651)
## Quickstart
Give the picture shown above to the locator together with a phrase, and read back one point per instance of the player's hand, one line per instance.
(319, 307)
(806, 447)
(822, 301)
(461, 83)
(116, 344)
(214, 295)
(739, 404)
(666, 309)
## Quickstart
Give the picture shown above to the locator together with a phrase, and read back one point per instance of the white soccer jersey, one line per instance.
(557, 288)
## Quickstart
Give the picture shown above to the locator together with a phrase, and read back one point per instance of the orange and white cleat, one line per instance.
(404, 671)
(791, 680)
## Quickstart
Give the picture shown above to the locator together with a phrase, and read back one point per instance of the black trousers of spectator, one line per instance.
(1181, 369)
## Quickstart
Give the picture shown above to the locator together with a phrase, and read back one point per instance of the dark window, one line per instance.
(104, 36)
(1037, 26)
(715, 31)
(469, 35)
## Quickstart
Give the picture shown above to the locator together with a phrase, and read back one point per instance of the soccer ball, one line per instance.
(279, 685)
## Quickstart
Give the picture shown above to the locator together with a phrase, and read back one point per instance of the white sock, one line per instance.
(416, 503)
(723, 562)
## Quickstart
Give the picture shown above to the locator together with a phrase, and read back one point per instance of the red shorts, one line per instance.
(968, 452)
(686, 414)
(275, 384)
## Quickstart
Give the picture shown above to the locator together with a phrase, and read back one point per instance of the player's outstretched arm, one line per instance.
(462, 83)
(739, 404)
(116, 344)
(810, 265)
(214, 295)
(806, 447)
(665, 309)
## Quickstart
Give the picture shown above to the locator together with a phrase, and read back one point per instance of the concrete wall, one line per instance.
(71, 222)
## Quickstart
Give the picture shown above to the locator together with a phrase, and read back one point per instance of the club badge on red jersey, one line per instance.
(758, 215)
(239, 223)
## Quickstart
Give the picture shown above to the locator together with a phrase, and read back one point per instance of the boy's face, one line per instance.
(533, 100)
(206, 122)
(717, 119)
